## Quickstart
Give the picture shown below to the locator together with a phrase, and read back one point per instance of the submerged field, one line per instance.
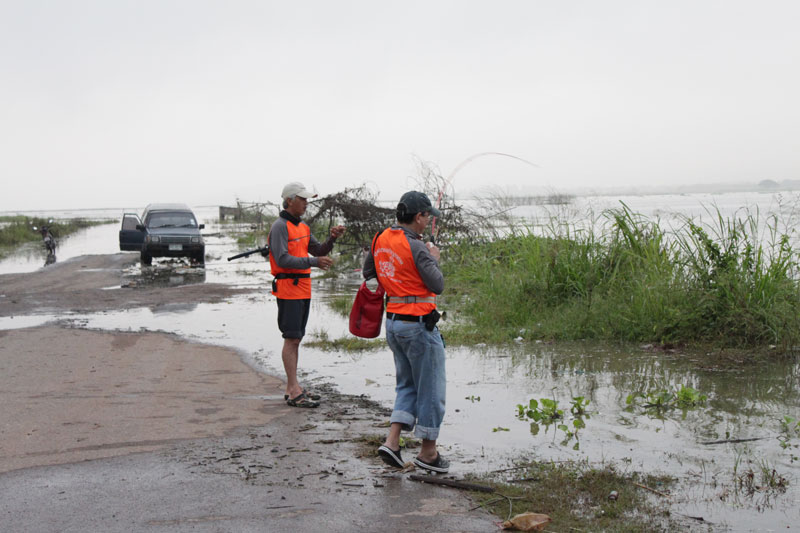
(19, 229)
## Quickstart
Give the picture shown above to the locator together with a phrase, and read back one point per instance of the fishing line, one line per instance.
(449, 181)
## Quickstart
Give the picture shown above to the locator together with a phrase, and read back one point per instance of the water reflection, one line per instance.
(51, 258)
(735, 397)
(169, 274)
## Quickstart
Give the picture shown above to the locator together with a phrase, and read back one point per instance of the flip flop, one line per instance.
(301, 400)
(440, 465)
(313, 395)
(391, 457)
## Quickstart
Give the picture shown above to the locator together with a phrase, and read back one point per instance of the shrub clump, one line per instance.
(630, 280)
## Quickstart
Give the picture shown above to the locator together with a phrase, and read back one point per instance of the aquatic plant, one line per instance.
(578, 406)
(545, 411)
(659, 400)
(546, 414)
(765, 478)
(790, 425)
(790, 428)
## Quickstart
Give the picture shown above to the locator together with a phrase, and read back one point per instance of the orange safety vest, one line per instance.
(398, 275)
(293, 283)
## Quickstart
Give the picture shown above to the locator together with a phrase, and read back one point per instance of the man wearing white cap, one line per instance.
(290, 242)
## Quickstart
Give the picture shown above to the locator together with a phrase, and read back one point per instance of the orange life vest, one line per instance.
(398, 275)
(293, 283)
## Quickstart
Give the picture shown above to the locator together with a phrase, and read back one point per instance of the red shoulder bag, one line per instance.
(366, 315)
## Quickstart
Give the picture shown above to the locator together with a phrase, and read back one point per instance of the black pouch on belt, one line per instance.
(431, 319)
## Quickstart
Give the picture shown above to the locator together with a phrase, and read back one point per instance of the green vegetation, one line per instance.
(678, 398)
(631, 280)
(341, 304)
(369, 444)
(345, 344)
(763, 479)
(790, 429)
(789, 425)
(545, 411)
(578, 497)
(18, 230)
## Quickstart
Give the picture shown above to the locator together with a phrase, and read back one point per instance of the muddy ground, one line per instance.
(120, 431)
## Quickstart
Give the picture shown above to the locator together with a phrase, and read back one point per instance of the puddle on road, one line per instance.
(169, 273)
(481, 431)
(30, 321)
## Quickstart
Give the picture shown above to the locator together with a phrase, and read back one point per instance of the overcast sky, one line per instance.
(124, 102)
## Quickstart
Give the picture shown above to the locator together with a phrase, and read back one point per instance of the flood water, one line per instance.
(481, 431)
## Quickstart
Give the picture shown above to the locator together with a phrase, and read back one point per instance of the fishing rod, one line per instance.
(263, 250)
(449, 180)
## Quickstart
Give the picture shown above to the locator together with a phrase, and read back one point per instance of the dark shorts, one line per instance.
(293, 317)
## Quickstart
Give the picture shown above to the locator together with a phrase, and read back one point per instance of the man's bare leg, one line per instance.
(290, 356)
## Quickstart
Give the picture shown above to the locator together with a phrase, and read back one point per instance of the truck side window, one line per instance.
(129, 222)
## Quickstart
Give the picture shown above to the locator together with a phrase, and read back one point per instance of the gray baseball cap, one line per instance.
(417, 202)
(296, 188)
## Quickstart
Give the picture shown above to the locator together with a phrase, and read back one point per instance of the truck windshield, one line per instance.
(171, 220)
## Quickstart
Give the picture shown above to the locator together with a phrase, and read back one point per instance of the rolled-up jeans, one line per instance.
(420, 374)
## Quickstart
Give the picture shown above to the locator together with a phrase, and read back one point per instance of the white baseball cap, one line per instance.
(296, 188)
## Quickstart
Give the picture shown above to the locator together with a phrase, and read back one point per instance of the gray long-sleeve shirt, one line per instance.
(427, 266)
(279, 245)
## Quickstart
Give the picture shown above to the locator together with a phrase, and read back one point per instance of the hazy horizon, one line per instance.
(127, 103)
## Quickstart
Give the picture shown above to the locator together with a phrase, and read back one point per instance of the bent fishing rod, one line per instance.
(448, 182)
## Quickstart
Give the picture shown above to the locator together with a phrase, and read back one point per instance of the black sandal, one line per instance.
(313, 395)
(301, 400)
(439, 465)
(391, 457)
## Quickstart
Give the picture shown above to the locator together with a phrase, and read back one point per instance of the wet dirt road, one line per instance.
(123, 431)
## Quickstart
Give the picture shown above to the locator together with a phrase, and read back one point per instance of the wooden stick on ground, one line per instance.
(724, 441)
(451, 483)
(654, 491)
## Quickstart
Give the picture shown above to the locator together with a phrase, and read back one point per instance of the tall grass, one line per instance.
(626, 277)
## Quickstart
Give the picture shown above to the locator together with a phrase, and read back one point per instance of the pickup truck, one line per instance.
(164, 230)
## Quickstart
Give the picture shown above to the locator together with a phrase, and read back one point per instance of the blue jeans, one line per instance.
(421, 381)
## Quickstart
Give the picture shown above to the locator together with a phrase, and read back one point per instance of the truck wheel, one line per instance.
(200, 258)
(146, 258)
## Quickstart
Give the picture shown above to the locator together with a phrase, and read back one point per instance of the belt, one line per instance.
(289, 275)
(412, 300)
(292, 275)
(405, 318)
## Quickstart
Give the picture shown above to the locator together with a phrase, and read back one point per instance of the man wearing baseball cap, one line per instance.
(408, 270)
(290, 243)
